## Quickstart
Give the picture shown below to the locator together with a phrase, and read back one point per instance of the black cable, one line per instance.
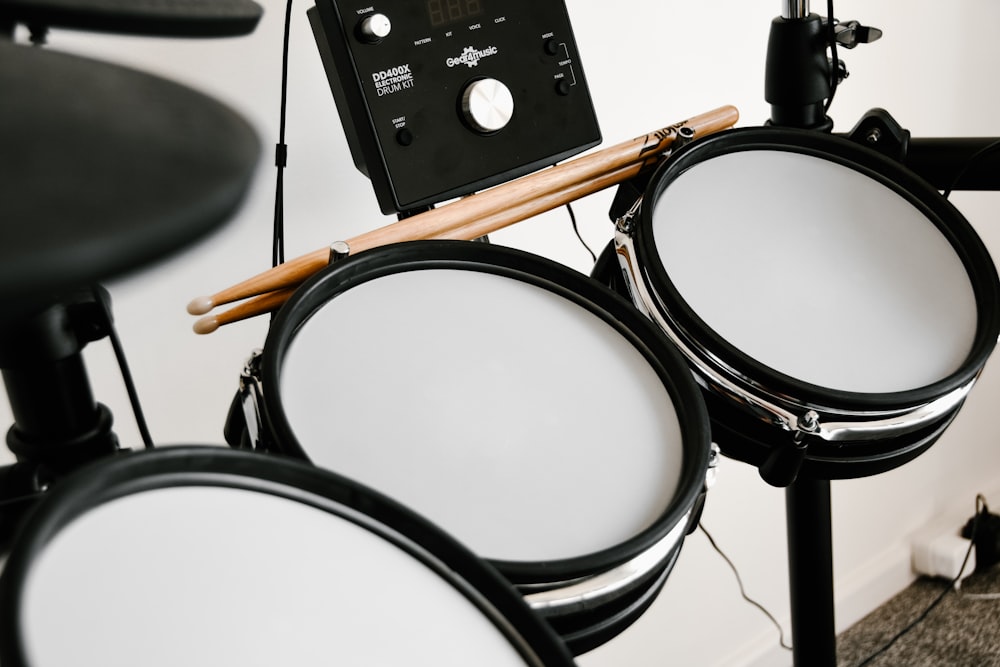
(576, 230)
(982, 152)
(980, 500)
(739, 581)
(835, 67)
(133, 395)
(979, 596)
(281, 151)
(21, 499)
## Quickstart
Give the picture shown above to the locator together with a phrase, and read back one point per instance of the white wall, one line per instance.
(648, 64)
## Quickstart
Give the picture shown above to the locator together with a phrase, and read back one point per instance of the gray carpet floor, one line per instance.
(962, 631)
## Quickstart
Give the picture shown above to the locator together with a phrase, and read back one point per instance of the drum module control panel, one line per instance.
(441, 98)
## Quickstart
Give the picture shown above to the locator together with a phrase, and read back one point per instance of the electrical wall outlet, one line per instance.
(942, 555)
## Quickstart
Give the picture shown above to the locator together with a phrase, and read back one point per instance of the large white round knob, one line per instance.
(375, 27)
(487, 105)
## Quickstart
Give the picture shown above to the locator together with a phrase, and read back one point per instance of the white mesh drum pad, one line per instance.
(515, 419)
(816, 271)
(209, 576)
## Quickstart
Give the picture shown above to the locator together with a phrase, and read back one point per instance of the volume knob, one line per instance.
(374, 28)
(487, 105)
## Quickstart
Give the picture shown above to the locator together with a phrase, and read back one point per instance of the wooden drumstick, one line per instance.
(535, 192)
(269, 301)
(293, 272)
(640, 152)
(258, 305)
(546, 202)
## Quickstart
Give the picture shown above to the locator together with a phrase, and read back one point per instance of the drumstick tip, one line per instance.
(200, 305)
(206, 325)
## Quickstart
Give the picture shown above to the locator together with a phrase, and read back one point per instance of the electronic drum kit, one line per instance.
(399, 511)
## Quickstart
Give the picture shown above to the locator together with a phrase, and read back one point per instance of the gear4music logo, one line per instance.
(471, 56)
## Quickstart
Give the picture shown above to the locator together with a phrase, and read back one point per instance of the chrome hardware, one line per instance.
(795, 9)
(902, 422)
(591, 590)
(685, 135)
(624, 224)
(339, 250)
(805, 425)
(809, 422)
(771, 406)
(252, 398)
(713, 463)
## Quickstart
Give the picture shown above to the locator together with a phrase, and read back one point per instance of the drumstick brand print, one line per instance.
(653, 143)
(652, 146)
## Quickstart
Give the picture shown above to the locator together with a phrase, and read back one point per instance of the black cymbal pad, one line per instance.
(105, 168)
(165, 18)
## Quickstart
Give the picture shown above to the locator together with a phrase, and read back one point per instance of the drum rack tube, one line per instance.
(810, 572)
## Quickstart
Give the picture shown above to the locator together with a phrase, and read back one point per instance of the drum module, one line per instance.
(441, 98)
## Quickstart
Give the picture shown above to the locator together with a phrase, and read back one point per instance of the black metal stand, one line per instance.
(58, 426)
(810, 573)
(799, 82)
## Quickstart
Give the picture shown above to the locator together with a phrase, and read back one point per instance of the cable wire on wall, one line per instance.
(739, 580)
